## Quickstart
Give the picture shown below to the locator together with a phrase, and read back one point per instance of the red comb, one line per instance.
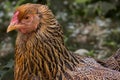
(14, 19)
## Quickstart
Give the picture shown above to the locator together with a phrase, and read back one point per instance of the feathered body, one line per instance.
(42, 55)
(112, 62)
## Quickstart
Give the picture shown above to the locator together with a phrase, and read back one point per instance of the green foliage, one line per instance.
(6, 70)
(82, 1)
(6, 67)
(91, 53)
(105, 7)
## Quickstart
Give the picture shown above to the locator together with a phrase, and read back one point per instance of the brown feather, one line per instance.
(42, 55)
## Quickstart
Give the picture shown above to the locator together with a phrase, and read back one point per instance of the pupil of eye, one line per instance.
(26, 17)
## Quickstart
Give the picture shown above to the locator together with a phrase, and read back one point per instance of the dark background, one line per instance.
(92, 27)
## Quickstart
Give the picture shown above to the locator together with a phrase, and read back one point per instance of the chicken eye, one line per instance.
(27, 17)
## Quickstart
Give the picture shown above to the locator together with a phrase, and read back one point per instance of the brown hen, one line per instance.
(41, 53)
(113, 62)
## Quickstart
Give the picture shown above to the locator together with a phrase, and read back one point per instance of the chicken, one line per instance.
(113, 62)
(40, 53)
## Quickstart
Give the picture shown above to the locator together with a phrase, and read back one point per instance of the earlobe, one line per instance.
(35, 21)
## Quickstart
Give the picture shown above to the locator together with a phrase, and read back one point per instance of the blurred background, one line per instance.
(91, 28)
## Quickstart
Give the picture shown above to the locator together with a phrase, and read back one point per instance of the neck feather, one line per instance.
(42, 55)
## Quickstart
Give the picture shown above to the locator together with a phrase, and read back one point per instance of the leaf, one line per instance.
(8, 75)
(106, 6)
(91, 53)
(7, 71)
(19, 2)
(82, 1)
(2, 72)
(9, 64)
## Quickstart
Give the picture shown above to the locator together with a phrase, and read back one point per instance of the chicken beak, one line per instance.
(11, 28)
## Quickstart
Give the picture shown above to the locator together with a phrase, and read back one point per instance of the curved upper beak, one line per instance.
(11, 27)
